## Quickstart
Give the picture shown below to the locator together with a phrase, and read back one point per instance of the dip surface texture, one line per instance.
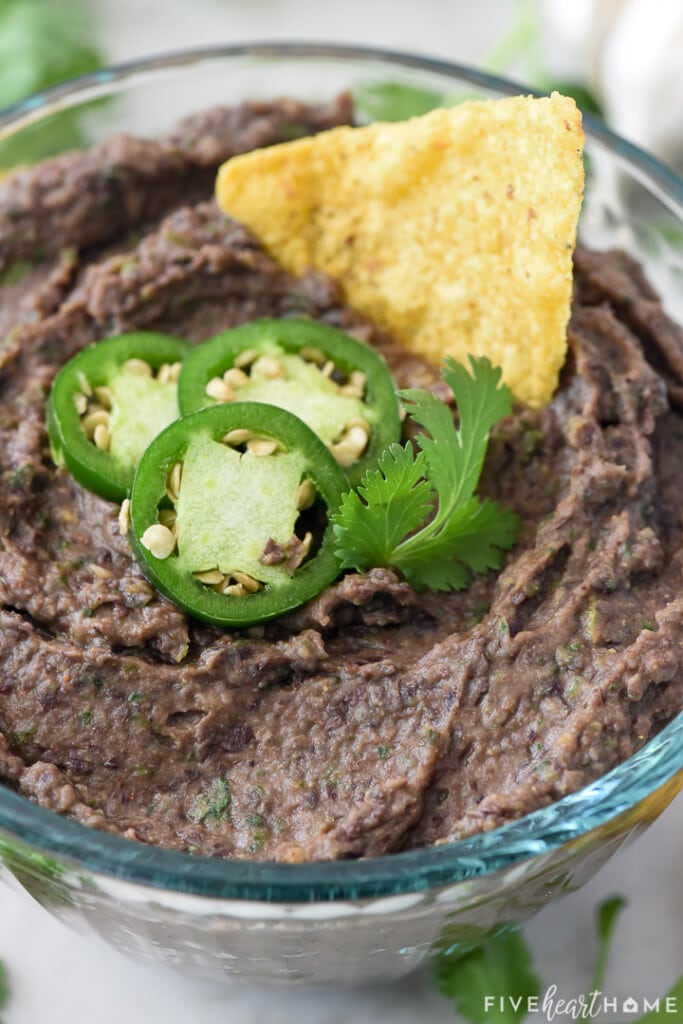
(373, 719)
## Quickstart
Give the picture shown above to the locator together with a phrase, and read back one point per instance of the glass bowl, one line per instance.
(371, 918)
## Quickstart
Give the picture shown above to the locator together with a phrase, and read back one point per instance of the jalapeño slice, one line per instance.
(229, 513)
(337, 385)
(108, 402)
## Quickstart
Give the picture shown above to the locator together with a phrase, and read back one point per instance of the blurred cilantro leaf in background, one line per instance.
(4, 991)
(499, 972)
(607, 915)
(520, 52)
(396, 101)
(43, 42)
(499, 968)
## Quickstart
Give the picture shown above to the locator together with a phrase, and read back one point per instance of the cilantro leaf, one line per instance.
(43, 42)
(457, 456)
(395, 101)
(606, 914)
(418, 512)
(399, 101)
(495, 979)
(470, 542)
(499, 969)
(4, 988)
(522, 52)
(395, 501)
(580, 93)
(674, 998)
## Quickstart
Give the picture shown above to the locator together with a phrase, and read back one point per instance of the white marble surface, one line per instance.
(57, 976)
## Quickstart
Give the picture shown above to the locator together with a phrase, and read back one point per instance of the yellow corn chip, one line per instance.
(453, 230)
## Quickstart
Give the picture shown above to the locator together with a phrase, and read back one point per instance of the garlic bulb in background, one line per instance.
(630, 54)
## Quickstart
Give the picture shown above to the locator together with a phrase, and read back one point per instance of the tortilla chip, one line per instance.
(454, 230)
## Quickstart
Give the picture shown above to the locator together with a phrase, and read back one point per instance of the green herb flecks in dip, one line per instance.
(212, 807)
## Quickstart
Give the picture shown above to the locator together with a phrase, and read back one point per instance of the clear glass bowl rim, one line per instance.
(620, 790)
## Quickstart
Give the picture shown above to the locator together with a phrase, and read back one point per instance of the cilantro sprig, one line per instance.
(417, 512)
(499, 971)
(496, 968)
